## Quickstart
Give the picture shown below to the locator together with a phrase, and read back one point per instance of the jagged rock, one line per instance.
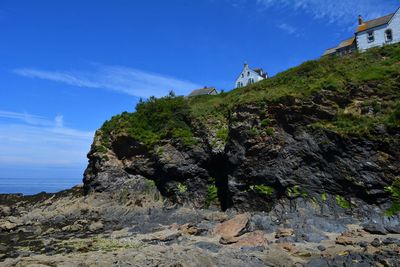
(253, 239)
(234, 227)
(284, 232)
(208, 246)
(345, 241)
(375, 228)
(95, 226)
(7, 225)
(376, 243)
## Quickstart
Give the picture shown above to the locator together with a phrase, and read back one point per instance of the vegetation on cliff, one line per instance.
(378, 70)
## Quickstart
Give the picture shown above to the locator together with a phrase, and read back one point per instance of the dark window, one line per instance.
(242, 75)
(248, 73)
(370, 36)
(389, 35)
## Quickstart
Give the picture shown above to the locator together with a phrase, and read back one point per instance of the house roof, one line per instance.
(203, 91)
(329, 51)
(374, 23)
(260, 72)
(345, 43)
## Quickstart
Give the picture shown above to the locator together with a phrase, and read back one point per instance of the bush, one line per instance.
(394, 191)
(212, 195)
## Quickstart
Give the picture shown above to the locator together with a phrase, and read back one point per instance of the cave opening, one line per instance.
(219, 168)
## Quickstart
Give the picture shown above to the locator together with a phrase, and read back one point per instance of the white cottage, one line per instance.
(250, 76)
(377, 32)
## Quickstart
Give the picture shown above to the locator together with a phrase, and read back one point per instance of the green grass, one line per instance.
(171, 117)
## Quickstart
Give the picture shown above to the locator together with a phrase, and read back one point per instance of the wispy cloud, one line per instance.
(121, 79)
(338, 11)
(288, 28)
(39, 141)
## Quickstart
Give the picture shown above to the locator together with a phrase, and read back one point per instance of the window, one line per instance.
(388, 35)
(370, 36)
(250, 81)
(248, 73)
(242, 75)
(239, 84)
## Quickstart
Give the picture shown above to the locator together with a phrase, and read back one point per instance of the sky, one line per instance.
(66, 66)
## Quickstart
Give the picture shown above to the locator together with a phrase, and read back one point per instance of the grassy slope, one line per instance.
(171, 117)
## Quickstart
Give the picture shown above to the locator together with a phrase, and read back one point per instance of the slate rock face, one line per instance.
(255, 169)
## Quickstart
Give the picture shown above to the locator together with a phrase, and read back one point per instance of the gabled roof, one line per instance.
(343, 44)
(261, 72)
(367, 25)
(203, 91)
(347, 42)
(329, 51)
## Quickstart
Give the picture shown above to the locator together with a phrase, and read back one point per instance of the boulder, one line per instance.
(284, 232)
(374, 228)
(234, 227)
(344, 240)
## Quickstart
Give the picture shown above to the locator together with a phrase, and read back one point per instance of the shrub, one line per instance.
(182, 188)
(394, 191)
(212, 195)
(342, 202)
(263, 190)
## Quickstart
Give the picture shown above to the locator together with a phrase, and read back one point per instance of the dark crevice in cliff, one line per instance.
(219, 168)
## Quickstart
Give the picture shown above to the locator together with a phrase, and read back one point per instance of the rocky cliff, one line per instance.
(326, 133)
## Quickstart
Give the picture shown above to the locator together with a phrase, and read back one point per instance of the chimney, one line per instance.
(246, 65)
(360, 20)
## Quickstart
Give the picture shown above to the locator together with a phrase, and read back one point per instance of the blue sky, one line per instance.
(66, 66)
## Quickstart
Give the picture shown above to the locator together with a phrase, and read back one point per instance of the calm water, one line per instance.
(31, 186)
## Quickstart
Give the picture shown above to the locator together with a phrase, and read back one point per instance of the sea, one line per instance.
(32, 186)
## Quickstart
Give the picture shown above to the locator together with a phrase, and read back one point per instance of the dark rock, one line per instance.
(376, 243)
(208, 246)
(391, 240)
(363, 244)
(395, 229)
(374, 228)
(321, 248)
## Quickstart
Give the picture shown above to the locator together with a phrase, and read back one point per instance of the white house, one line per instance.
(250, 76)
(377, 32)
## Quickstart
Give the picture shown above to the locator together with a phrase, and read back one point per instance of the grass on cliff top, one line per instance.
(170, 116)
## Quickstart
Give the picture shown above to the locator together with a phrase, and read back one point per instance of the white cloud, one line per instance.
(337, 11)
(38, 141)
(121, 79)
(287, 28)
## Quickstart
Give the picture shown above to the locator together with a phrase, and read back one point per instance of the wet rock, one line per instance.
(374, 228)
(208, 246)
(284, 232)
(234, 227)
(376, 243)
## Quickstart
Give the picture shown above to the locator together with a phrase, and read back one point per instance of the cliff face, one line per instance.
(326, 132)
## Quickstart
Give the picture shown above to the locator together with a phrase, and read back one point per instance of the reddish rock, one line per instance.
(234, 227)
(253, 239)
